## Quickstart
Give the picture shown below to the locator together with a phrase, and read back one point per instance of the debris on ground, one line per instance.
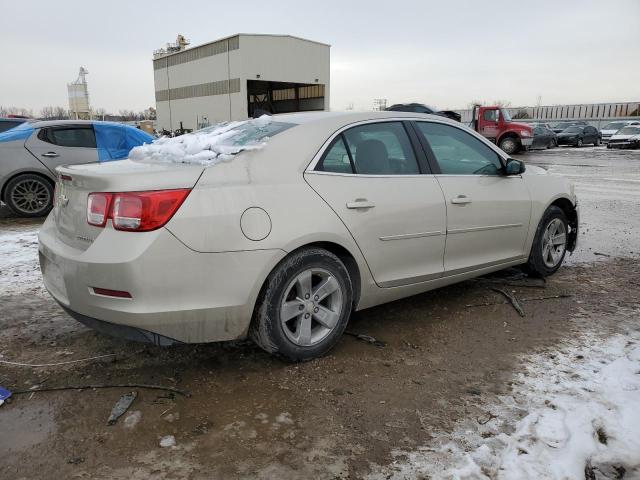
(56, 364)
(168, 441)
(121, 406)
(367, 338)
(4, 394)
(113, 385)
(132, 419)
(512, 299)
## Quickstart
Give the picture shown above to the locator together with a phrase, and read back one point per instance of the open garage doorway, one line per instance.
(283, 97)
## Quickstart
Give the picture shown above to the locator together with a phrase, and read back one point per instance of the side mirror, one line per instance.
(514, 167)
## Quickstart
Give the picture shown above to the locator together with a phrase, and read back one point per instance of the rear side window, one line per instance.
(381, 149)
(6, 125)
(336, 158)
(69, 137)
(457, 152)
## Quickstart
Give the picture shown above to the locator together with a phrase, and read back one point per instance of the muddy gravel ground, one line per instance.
(248, 415)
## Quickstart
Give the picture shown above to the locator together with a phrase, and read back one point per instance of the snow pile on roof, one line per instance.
(207, 146)
(574, 413)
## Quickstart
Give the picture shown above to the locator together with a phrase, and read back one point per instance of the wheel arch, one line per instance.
(345, 256)
(570, 210)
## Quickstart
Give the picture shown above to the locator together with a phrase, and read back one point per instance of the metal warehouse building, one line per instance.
(238, 77)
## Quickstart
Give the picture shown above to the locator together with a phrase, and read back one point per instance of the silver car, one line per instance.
(323, 214)
(30, 153)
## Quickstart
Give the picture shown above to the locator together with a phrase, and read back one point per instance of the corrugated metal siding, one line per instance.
(196, 53)
(220, 87)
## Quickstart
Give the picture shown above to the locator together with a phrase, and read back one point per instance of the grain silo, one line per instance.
(79, 97)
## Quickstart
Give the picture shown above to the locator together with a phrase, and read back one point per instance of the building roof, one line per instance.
(243, 35)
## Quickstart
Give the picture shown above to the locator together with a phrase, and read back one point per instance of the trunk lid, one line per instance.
(76, 182)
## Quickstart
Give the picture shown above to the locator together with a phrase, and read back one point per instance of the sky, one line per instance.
(445, 54)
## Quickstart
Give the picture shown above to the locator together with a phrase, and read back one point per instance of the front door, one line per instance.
(488, 212)
(490, 125)
(370, 177)
(63, 145)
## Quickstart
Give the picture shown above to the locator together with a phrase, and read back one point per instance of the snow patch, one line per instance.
(572, 412)
(19, 268)
(208, 146)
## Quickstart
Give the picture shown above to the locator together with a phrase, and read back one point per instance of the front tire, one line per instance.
(509, 145)
(550, 243)
(29, 195)
(579, 143)
(304, 307)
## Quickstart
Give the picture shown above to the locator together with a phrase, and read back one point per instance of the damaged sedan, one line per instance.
(278, 228)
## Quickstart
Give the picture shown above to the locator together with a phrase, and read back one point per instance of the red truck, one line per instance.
(495, 124)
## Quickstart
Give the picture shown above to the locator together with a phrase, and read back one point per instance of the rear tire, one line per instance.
(509, 145)
(29, 195)
(550, 243)
(304, 307)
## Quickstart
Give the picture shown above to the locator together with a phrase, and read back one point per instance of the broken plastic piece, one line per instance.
(121, 406)
(367, 338)
(4, 394)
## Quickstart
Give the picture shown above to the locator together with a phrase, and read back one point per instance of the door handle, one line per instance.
(360, 203)
(461, 200)
(50, 155)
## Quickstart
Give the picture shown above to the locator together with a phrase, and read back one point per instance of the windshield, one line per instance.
(614, 126)
(249, 133)
(629, 131)
(505, 115)
(573, 130)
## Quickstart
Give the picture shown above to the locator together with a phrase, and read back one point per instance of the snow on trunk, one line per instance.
(207, 146)
(573, 413)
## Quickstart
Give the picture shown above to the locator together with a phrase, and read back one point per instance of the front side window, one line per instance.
(69, 137)
(381, 149)
(459, 153)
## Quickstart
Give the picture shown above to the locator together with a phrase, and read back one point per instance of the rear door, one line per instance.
(488, 213)
(378, 183)
(63, 145)
(489, 125)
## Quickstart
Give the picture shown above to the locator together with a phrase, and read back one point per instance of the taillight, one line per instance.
(135, 211)
(98, 208)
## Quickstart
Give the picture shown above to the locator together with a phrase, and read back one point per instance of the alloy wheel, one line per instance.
(30, 196)
(554, 242)
(311, 307)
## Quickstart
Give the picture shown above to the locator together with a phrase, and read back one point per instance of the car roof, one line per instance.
(351, 116)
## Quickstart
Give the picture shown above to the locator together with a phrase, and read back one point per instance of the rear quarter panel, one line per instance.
(15, 159)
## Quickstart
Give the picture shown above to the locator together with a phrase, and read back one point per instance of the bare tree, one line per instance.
(25, 112)
(100, 113)
(61, 113)
(502, 103)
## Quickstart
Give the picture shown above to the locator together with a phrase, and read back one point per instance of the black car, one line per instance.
(544, 138)
(8, 123)
(578, 136)
(420, 108)
(562, 126)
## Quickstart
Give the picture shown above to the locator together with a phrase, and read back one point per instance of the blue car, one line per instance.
(30, 152)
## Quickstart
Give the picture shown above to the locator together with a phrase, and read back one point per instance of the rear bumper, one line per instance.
(178, 295)
(624, 145)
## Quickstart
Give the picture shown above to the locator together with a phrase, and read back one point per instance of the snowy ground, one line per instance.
(19, 270)
(574, 412)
